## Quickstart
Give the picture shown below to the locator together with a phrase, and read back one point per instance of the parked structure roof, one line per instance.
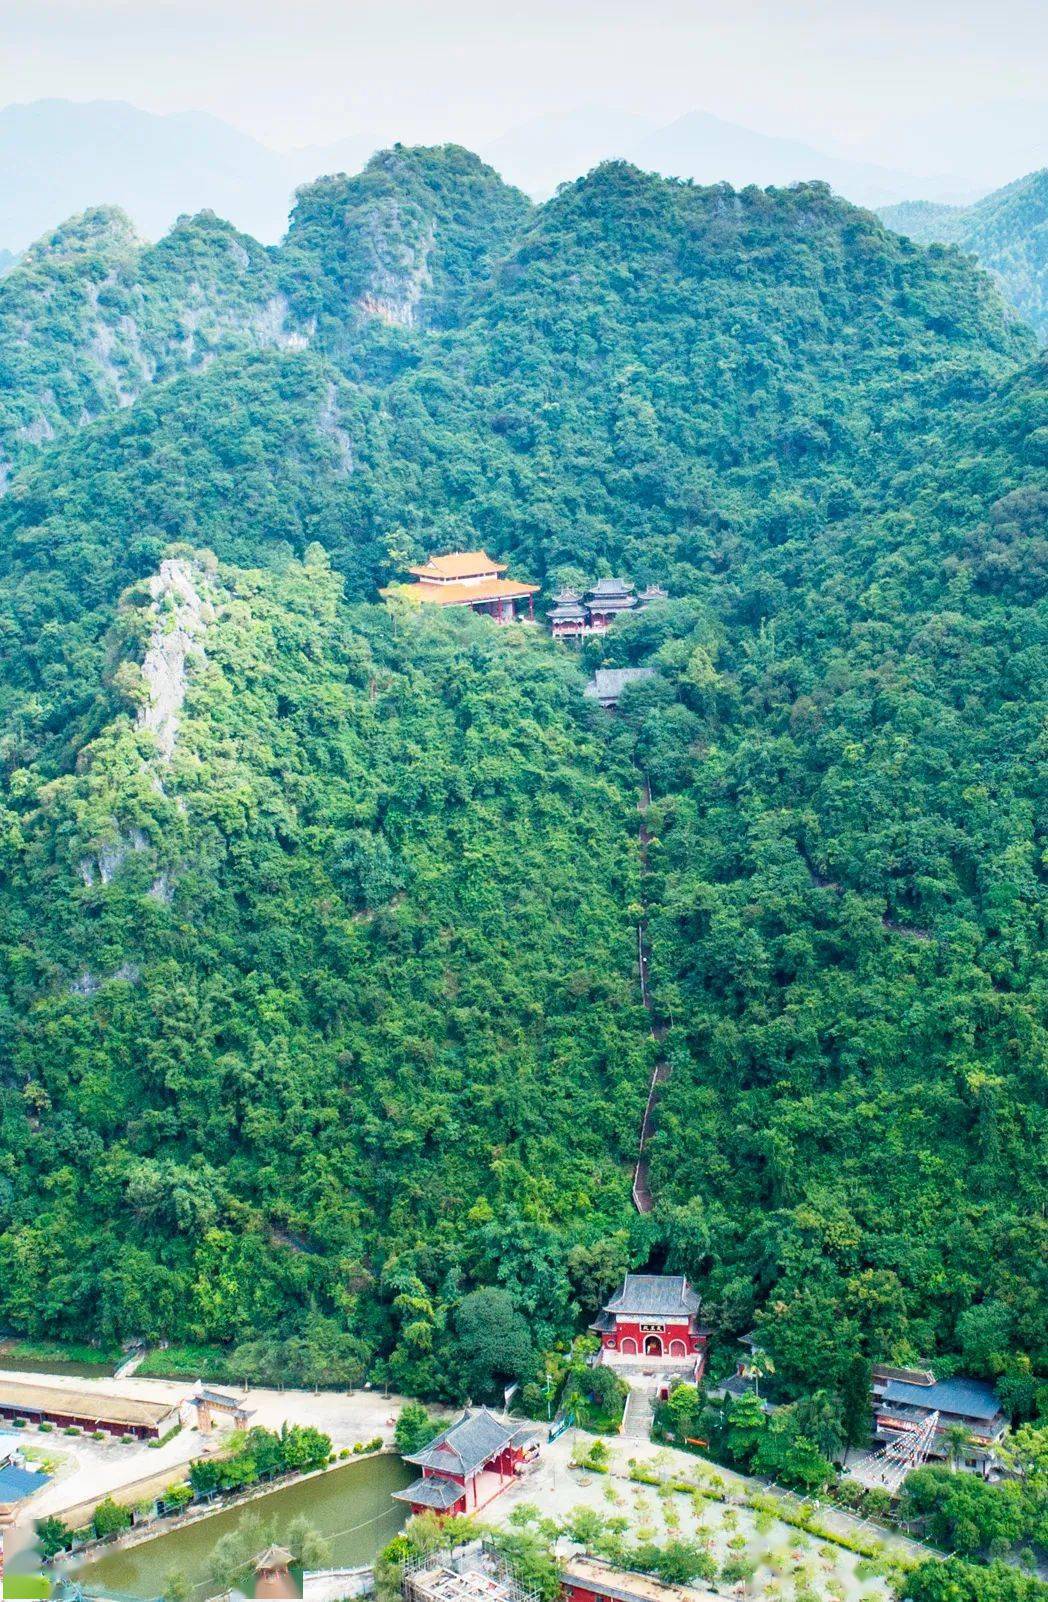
(18, 1483)
(968, 1398)
(624, 1585)
(88, 1405)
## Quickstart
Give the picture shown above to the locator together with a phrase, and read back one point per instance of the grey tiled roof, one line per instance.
(432, 1492)
(610, 586)
(219, 1399)
(609, 683)
(466, 1445)
(971, 1398)
(657, 1294)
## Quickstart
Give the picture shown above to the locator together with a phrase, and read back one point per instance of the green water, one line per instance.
(67, 1368)
(350, 1506)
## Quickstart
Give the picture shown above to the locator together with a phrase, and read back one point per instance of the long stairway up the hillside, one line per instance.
(642, 1196)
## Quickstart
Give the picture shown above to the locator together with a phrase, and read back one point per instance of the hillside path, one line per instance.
(643, 1199)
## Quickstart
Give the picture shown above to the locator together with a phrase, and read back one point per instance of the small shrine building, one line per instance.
(467, 1464)
(468, 578)
(652, 1322)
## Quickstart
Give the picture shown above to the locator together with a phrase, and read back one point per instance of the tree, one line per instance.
(493, 1344)
(819, 1418)
(856, 1394)
(414, 1428)
(176, 1587)
(110, 1518)
(53, 1535)
(745, 1428)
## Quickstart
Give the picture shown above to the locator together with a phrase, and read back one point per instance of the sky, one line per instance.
(894, 81)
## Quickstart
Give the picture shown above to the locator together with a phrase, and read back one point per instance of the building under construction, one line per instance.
(473, 1573)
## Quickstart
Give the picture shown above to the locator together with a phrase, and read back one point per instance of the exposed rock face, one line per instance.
(110, 858)
(176, 636)
(400, 273)
(329, 424)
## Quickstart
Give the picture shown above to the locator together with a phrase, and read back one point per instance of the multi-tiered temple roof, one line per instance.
(466, 578)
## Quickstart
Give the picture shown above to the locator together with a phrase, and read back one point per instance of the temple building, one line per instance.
(467, 578)
(652, 1322)
(574, 615)
(467, 1464)
(568, 619)
(606, 601)
(903, 1398)
(607, 684)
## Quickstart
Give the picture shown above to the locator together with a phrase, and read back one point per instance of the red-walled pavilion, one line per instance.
(467, 1464)
(652, 1322)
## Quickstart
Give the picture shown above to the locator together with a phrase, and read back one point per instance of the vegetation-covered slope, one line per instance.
(403, 889)
(348, 980)
(90, 317)
(1007, 231)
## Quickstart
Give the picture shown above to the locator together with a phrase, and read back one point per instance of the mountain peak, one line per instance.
(101, 230)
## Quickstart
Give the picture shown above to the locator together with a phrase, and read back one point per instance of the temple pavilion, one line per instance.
(467, 1464)
(467, 578)
(608, 598)
(574, 614)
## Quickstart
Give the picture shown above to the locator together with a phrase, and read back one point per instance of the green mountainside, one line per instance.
(90, 316)
(318, 1007)
(1007, 231)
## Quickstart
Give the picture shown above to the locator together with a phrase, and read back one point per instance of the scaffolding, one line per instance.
(473, 1573)
(891, 1463)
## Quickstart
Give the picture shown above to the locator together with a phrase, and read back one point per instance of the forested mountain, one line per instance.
(1007, 231)
(91, 316)
(318, 996)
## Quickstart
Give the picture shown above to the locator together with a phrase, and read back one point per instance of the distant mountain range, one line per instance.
(59, 158)
(1007, 231)
(544, 152)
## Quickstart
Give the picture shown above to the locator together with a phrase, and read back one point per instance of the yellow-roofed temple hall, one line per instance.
(468, 578)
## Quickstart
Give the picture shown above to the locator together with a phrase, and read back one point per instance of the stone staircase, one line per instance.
(640, 1412)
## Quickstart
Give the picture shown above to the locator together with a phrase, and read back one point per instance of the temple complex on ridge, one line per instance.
(467, 1464)
(574, 613)
(652, 1322)
(467, 578)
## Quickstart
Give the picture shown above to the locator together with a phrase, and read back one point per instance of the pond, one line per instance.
(351, 1507)
(12, 1363)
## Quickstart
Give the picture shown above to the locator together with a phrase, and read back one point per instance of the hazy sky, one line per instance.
(862, 74)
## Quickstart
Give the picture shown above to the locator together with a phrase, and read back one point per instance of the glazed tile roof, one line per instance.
(659, 1295)
(433, 1492)
(462, 592)
(458, 565)
(465, 1446)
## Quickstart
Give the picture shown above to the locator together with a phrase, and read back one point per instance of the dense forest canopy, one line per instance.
(1007, 232)
(347, 1030)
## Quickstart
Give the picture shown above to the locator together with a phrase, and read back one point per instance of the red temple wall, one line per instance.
(678, 1340)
